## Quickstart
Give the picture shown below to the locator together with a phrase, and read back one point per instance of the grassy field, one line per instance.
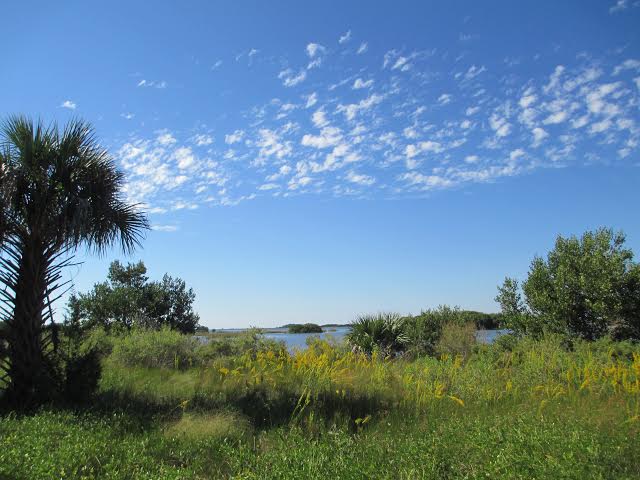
(169, 408)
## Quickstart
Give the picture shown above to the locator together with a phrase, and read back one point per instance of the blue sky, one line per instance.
(311, 161)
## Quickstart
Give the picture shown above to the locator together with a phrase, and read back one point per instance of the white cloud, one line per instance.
(630, 64)
(601, 126)
(360, 179)
(184, 157)
(413, 150)
(234, 137)
(312, 99)
(68, 104)
(164, 228)
(473, 72)
(166, 139)
(329, 137)
(619, 6)
(283, 171)
(555, 118)
(364, 46)
(152, 83)
(426, 181)
(345, 38)
(314, 49)
(554, 79)
(268, 186)
(319, 118)
(351, 110)
(402, 64)
(471, 159)
(271, 145)
(290, 79)
(216, 65)
(500, 125)
(471, 111)
(538, 136)
(516, 154)
(580, 122)
(527, 100)
(359, 83)
(127, 115)
(444, 99)
(203, 140)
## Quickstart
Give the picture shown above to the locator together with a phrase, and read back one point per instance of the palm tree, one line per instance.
(59, 190)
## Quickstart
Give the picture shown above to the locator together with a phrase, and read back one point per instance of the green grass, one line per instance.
(502, 443)
(547, 409)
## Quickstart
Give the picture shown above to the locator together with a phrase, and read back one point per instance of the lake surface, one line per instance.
(298, 341)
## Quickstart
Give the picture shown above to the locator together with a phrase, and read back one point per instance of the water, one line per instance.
(298, 341)
(489, 336)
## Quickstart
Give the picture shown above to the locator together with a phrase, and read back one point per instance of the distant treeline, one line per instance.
(305, 328)
(482, 321)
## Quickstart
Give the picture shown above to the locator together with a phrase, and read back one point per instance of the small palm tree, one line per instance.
(383, 332)
(59, 190)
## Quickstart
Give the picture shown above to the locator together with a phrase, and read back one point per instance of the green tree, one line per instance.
(60, 190)
(587, 287)
(129, 299)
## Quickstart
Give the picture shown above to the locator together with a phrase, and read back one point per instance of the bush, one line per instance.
(424, 330)
(456, 339)
(155, 349)
(251, 341)
(82, 374)
(306, 328)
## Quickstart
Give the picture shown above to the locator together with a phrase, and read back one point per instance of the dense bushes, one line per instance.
(432, 332)
(155, 349)
(170, 349)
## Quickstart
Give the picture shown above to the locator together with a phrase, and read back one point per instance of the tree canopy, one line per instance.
(587, 287)
(128, 299)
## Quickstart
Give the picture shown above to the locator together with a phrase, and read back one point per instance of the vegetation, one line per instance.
(59, 190)
(587, 287)
(128, 299)
(130, 392)
(305, 328)
(432, 332)
(383, 333)
(522, 408)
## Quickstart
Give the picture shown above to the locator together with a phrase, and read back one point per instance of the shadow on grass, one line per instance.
(264, 408)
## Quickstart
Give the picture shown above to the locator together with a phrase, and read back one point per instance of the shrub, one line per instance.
(251, 341)
(456, 339)
(507, 342)
(82, 374)
(424, 330)
(155, 349)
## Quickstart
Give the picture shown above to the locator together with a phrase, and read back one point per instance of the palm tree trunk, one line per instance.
(31, 375)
